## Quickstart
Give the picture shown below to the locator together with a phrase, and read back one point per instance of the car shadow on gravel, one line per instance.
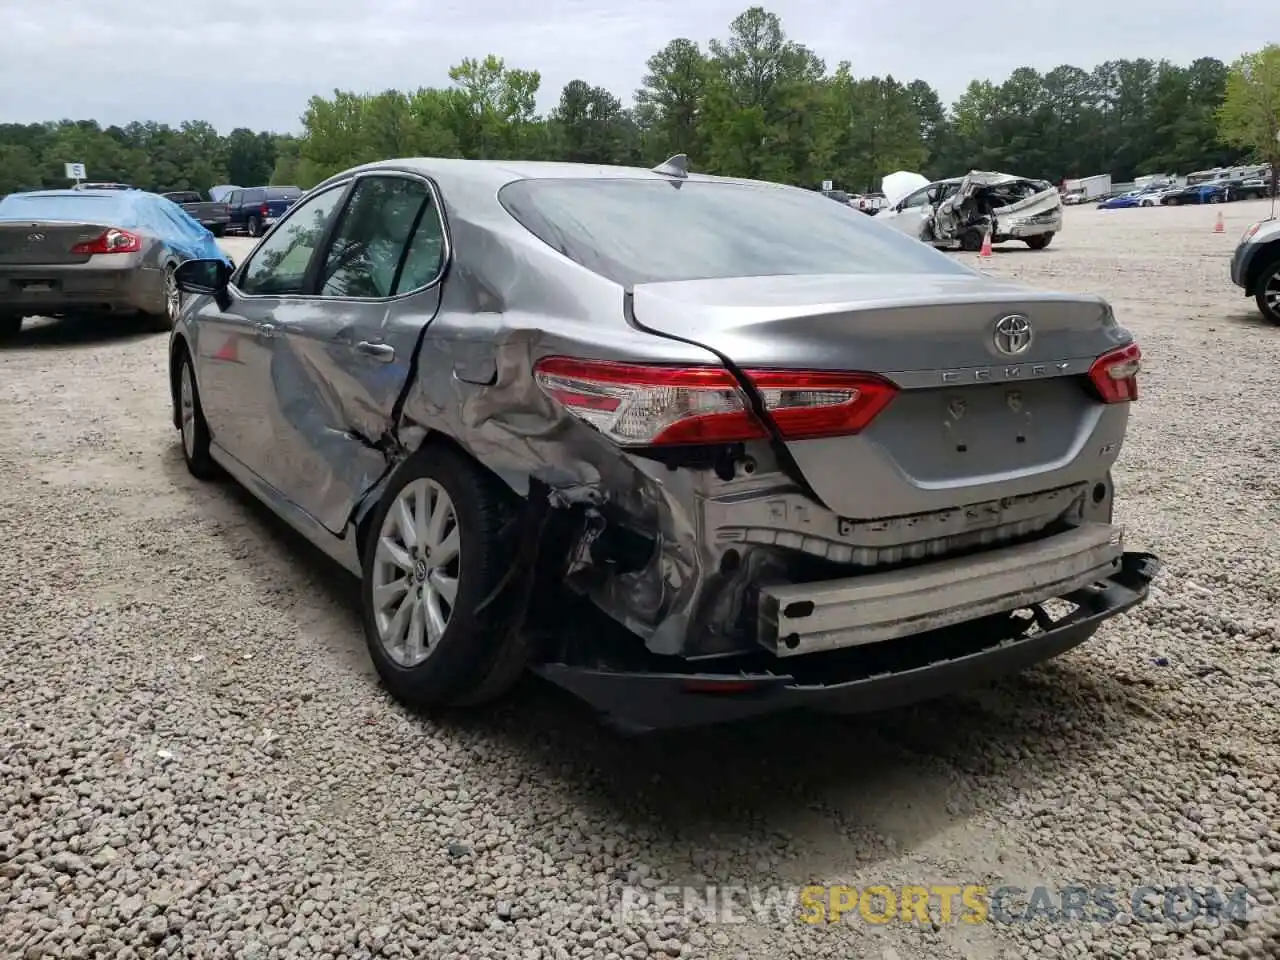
(1250, 318)
(46, 332)
(906, 774)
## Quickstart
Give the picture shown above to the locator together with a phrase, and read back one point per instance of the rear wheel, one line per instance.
(971, 241)
(1267, 292)
(218, 229)
(1040, 242)
(195, 430)
(436, 549)
(10, 326)
(254, 227)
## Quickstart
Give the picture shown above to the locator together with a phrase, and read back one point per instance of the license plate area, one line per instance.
(36, 286)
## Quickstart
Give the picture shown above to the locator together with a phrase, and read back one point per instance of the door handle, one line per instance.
(268, 330)
(383, 352)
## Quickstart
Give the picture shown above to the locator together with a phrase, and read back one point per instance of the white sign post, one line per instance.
(74, 171)
(826, 186)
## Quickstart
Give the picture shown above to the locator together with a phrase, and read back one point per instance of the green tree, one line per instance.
(590, 126)
(671, 105)
(1250, 112)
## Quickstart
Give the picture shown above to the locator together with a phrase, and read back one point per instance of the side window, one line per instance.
(254, 196)
(382, 246)
(279, 265)
(233, 198)
(425, 256)
(917, 199)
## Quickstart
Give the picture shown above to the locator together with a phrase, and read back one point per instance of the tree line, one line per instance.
(755, 104)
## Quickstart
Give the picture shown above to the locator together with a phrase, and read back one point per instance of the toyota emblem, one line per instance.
(1013, 334)
(35, 237)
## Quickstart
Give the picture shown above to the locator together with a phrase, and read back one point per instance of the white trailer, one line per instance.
(1086, 189)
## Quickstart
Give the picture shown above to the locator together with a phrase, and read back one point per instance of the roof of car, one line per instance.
(498, 173)
(113, 194)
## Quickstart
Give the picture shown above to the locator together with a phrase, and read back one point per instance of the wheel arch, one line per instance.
(431, 440)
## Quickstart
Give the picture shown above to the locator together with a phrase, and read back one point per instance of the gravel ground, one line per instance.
(195, 759)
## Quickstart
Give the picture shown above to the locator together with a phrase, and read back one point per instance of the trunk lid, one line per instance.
(970, 423)
(45, 242)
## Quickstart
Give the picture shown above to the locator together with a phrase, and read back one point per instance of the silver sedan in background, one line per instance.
(95, 254)
(693, 448)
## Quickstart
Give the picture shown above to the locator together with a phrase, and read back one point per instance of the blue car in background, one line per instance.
(95, 253)
(1131, 199)
(1211, 191)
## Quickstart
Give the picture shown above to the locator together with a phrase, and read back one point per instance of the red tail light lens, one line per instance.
(637, 405)
(1115, 374)
(809, 404)
(647, 406)
(265, 210)
(111, 241)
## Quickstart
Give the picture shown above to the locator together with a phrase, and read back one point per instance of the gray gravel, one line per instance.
(195, 759)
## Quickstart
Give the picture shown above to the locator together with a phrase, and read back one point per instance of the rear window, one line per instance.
(283, 193)
(71, 208)
(652, 231)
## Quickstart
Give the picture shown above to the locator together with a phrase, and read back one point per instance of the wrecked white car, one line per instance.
(960, 210)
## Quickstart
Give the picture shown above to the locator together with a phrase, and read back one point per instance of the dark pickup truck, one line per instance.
(255, 209)
(214, 217)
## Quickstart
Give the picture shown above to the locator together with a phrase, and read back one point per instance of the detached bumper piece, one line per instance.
(666, 693)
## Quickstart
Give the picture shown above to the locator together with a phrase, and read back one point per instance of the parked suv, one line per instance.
(253, 210)
(1255, 266)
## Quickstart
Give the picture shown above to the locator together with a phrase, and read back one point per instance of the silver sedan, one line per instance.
(693, 448)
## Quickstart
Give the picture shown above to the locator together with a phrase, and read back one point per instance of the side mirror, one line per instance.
(203, 276)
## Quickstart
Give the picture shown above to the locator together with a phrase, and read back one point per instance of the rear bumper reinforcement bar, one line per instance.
(796, 619)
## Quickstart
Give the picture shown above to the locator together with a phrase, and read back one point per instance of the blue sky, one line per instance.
(254, 63)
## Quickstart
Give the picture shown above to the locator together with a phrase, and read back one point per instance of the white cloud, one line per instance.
(254, 63)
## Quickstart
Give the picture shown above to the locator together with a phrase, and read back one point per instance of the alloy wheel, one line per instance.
(172, 296)
(415, 574)
(1271, 293)
(187, 410)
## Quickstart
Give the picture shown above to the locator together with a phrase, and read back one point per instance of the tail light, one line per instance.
(111, 241)
(1115, 374)
(265, 210)
(637, 405)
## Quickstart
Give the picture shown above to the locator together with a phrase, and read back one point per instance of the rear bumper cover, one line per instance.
(676, 694)
(37, 290)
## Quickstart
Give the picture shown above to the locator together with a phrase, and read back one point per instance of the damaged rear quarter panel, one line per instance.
(508, 301)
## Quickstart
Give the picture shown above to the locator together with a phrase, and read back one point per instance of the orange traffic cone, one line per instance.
(1219, 227)
(986, 244)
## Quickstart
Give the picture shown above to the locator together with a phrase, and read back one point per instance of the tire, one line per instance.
(474, 658)
(192, 425)
(254, 227)
(971, 241)
(1040, 242)
(218, 229)
(164, 322)
(10, 327)
(1267, 292)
